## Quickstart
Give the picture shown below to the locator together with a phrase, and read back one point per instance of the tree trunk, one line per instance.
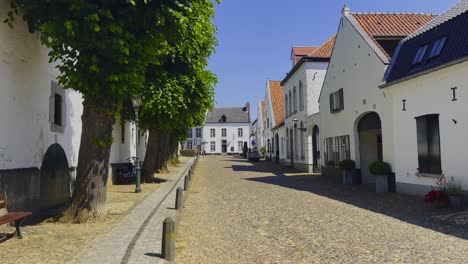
(89, 195)
(150, 162)
(157, 153)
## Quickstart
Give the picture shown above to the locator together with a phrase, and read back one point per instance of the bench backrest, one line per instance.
(3, 205)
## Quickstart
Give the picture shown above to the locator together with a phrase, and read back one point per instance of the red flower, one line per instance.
(435, 196)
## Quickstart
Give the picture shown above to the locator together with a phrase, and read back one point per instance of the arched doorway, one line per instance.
(277, 148)
(315, 148)
(55, 178)
(369, 128)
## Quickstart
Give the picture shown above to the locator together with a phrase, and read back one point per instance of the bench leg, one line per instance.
(18, 229)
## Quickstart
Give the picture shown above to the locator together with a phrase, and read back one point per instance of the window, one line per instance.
(301, 96)
(295, 99)
(223, 132)
(198, 132)
(58, 110)
(240, 132)
(268, 123)
(240, 144)
(437, 48)
(213, 146)
(420, 54)
(337, 101)
(286, 105)
(288, 155)
(190, 133)
(290, 104)
(212, 133)
(122, 132)
(345, 152)
(296, 143)
(189, 144)
(329, 151)
(428, 144)
(282, 145)
(302, 142)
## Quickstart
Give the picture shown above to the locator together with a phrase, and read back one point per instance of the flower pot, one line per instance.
(347, 177)
(381, 183)
(455, 201)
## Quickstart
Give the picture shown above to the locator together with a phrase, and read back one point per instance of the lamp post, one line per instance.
(302, 129)
(136, 101)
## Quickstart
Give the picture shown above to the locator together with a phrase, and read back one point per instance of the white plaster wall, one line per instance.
(356, 68)
(231, 136)
(270, 120)
(312, 75)
(432, 94)
(260, 127)
(25, 87)
(122, 151)
(281, 131)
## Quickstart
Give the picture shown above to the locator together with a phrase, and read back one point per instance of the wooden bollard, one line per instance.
(179, 200)
(168, 239)
(186, 183)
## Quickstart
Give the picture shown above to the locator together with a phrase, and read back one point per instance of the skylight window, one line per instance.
(438, 46)
(420, 54)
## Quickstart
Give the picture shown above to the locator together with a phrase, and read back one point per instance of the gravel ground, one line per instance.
(239, 212)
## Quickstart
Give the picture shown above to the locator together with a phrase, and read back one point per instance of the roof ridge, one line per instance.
(392, 13)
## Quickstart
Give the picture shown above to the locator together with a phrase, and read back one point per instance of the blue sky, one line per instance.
(255, 38)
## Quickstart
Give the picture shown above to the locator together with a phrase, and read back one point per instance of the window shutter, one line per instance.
(423, 153)
(341, 99)
(331, 102)
(434, 144)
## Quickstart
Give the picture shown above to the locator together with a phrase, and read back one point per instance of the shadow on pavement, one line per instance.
(406, 208)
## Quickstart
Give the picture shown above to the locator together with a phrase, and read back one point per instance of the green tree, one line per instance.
(180, 90)
(102, 49)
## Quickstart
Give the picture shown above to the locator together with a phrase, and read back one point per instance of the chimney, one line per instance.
(345, 10)
(247, 106)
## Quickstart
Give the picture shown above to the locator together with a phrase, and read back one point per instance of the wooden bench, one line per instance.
(14, 217)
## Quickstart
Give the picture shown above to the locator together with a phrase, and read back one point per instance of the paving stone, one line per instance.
(241, 212)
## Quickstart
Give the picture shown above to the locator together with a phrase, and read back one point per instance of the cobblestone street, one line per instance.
(239, 212)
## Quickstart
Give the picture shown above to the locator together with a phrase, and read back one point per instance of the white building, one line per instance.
(41, 123)
(302, 87)
(226, 131)
(428, 82)
(356, 120)
(261, 126)
(272, 116)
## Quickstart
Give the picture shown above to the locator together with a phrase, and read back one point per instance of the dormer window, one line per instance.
(420, 54)
(222, 119)
(437, 48)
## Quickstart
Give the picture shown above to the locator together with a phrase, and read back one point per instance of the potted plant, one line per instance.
(455, 193)
(347, 167)
(380, 170)
(436, 198)
(263, 151)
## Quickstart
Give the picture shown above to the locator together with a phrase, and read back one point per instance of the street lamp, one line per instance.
(302, 129)
(136, 101)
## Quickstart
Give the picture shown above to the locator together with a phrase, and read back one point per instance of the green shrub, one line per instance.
(263, 150)
(380, 168)
(347, 165)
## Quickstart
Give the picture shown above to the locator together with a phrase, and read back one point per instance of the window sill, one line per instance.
(57, 128)
(429, 175)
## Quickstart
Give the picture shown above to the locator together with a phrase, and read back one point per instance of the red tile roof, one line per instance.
(303, 51)
(324, 51)
(390, 25)
(277, 100)
(263, 108)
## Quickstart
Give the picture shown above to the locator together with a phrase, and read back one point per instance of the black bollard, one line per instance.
(179, 198)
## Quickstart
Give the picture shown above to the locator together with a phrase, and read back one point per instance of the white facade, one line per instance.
(431, 94)
(27, 95)
(302, 90)
(261, 125)
(123, 148)
(232, 139)
(356, 67)
(269, 123)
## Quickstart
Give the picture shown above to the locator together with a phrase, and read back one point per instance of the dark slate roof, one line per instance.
(452, 24)
(231, 114)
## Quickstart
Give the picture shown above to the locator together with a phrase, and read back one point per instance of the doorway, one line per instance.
(370, 144)
(223, 146)
(291, 146)
(315, 148)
